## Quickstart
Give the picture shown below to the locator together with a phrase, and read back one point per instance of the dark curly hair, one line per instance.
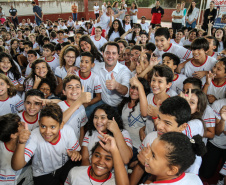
(126, 100)
(111, 112)
(97, 55)
(120, 28)
(14, 69)
(50, 76)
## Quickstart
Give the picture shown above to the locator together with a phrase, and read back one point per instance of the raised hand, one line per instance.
(107, 142)
(186, 96)
(37, 80)
(74, 155)
(211, 98)
(153, 61)
(134, 81)
(112, 125)
(209, 77)
(24, 135)
(139, 68)
(143, 154)
(111, 84)
(199, 74)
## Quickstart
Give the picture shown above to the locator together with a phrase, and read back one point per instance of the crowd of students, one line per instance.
(89, 103)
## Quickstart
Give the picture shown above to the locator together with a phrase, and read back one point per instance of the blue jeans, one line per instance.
(191, 25)
(38, 21)
(74, 16)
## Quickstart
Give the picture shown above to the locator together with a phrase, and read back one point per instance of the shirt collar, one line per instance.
(116, 68)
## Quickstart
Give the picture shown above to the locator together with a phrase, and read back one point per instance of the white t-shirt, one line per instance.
(11, 105)
(81, 175)
(180, 51)
(104, 21)
(7, 175)
(77, 120)
(193, 15)
(133, 17)
(60, 72)
(223, 170)
(91, 84)
(70, 23)
(28, 70)
(219, 141)
(53, 63)
(98, 43)
(15, 82)
(217, 91)
(133, 122)
(31, 125)
(90, 141)
(174, 42)
(114, 35)
(177, 84)
(220, 47)
(145, 26)
(190, 68)
(96, 9)
(175, 13)
(48, 157)
(187, 42)
(184, 179)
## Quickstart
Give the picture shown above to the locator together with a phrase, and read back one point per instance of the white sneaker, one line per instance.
(220, 182)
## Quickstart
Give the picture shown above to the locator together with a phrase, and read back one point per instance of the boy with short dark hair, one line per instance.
(201, 64)
(48, 52)
(32, 108)
(60, 36)
(52, 141)
(177, 40)
(213, 46)
(10, 126)
(173, 61)
(74, 111)
(31, 57)
(163, 45)
(90, 81)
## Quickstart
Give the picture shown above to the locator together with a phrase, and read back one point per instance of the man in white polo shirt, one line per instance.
(114, 77)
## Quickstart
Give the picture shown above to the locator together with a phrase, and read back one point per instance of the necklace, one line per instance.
(91, 181)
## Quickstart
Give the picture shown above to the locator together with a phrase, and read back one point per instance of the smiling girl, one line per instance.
(39, 69)
(105, 119)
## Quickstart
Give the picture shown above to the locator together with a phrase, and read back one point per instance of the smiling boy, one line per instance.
(162, 42)
(50, 142)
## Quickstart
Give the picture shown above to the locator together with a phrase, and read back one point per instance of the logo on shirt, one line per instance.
(13, 109)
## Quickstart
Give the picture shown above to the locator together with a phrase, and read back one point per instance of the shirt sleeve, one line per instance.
(85, 141)
(57, 72)
(68, 179)
(127, 138)
(19, 104)
(97, 85)
(73, 143)
(84, 118)
(30, 147)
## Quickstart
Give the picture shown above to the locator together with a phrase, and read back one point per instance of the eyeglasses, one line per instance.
(221, 55)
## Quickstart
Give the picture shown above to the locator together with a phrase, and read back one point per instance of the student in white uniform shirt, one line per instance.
(53, 147)
(216, 147)
(32, 108)
(208, 116)
(177, 40)
(107, 120)
(172, 61)
(114, 77)
(10, 127)
(162, 42)
(87, 45)
(97, 39)
(213, 45)
(126, 24)
(174, 113)
(115, 30)
(74, 111)
(215, 86)
(67, 59)
(144, 25)
(192, 36)
(31, 57)
(105, 156)
(169, 164)
(10, 102)
(201, 64)
(132, 113)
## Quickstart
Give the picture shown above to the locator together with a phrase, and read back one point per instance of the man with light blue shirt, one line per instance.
(114, 77)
